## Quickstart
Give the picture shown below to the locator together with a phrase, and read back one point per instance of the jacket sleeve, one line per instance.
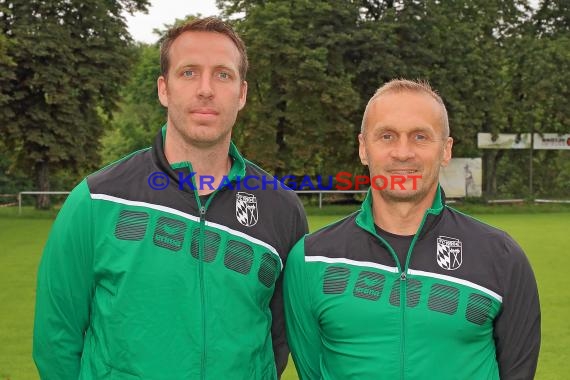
(302, 324)
(64, 290)
(280, 347)
(517, 327)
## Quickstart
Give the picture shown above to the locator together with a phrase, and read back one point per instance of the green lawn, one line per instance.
(544, 237)
(22, 242)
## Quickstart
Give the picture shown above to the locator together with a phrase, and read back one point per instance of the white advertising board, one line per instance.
(522, 141)
(463, 177)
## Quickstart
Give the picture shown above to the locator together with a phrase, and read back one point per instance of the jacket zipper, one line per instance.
(202, 295)
(403, 302)
(402, 278)
(201, 259)
(404, 294)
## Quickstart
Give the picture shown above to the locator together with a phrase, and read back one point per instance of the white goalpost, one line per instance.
(36, 193)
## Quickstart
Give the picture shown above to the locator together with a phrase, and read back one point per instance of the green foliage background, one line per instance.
(76, 94)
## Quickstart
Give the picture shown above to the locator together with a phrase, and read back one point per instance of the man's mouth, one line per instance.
(204, 111)
(404, 171)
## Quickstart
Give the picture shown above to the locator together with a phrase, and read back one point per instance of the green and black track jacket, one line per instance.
(137, 283)
(463, 306)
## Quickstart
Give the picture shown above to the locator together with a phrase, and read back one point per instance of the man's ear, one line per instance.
(447, 152)
(162, 91)
(362, 150)
(243, 94)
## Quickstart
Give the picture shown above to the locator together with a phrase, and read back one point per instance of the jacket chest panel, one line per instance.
(161, 250)
(352, 300)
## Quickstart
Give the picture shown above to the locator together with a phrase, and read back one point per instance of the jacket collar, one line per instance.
(237, 171)
(365, 217)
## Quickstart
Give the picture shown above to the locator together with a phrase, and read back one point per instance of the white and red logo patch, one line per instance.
(246, 209)
(449, 253)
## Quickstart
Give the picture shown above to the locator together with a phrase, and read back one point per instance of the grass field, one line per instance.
(544, 237)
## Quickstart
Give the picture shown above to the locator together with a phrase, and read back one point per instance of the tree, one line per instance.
(139, 113)
(552, 18)
(540, 96)
(70, 61)
(300, 98)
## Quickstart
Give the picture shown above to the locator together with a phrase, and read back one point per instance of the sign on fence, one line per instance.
(463, 177)
(522, 141)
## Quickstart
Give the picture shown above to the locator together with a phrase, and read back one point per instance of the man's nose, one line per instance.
(402, 150)
(205, 89)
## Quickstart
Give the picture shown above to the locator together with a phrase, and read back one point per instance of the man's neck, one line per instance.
(207, 161)
(399, 218)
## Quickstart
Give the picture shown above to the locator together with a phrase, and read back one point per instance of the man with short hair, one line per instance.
(407, 287)
(147, 274)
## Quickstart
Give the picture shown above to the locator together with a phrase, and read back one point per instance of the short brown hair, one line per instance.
(208, 24)
(401, 85)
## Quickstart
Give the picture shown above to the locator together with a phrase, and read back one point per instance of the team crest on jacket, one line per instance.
(449, 253)
(246, 209)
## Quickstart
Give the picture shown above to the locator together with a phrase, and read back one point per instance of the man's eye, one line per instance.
(188, 73)
(224, 75)
(386, 137)
(420, 137)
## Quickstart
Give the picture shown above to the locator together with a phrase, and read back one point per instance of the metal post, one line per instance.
(320, 200)
(530, 163)
(19, 203)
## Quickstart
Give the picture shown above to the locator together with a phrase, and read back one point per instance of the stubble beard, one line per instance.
(402, 196)
(200, 136)
(397, 195)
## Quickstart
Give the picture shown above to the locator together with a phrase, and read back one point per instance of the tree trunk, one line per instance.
(491, 160)
(280, 141)
(42, 184)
